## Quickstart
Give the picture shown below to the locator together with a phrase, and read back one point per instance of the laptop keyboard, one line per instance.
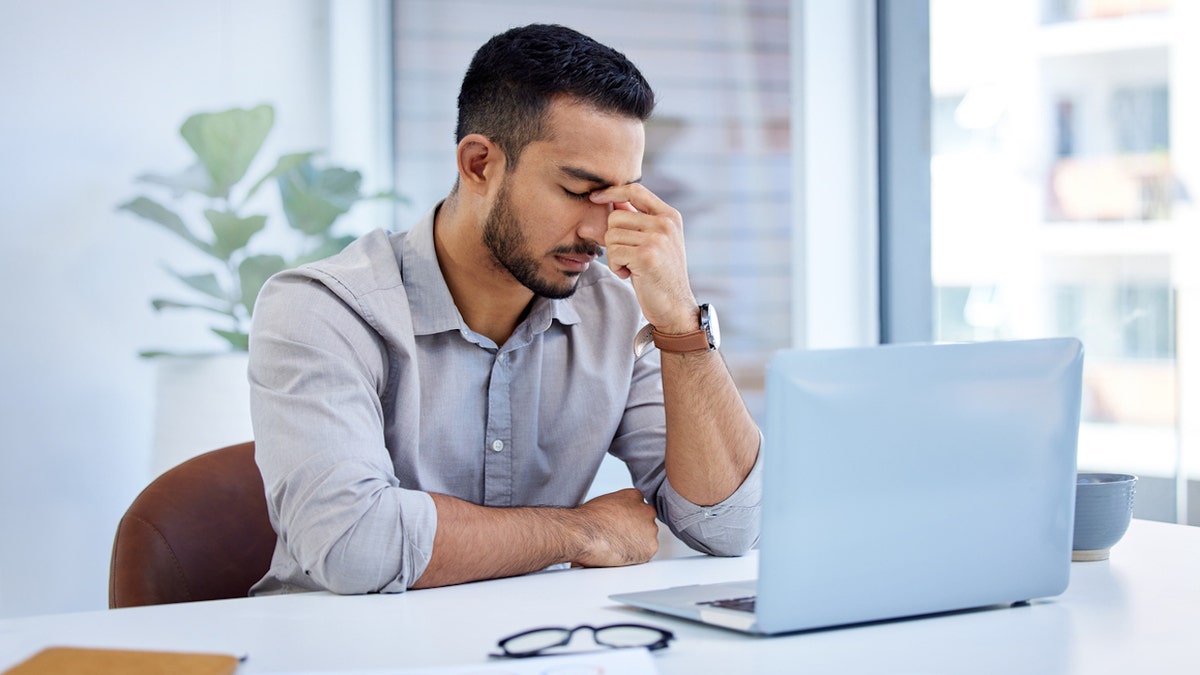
(745, 604)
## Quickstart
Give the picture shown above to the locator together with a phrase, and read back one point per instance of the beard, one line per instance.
(503, 236)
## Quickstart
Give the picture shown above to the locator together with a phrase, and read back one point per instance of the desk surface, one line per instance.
(1138, 612)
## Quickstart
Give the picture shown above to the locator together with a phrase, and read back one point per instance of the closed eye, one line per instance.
(578, 195)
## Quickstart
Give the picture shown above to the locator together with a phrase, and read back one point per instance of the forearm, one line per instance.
(712, 441)
(476, 542)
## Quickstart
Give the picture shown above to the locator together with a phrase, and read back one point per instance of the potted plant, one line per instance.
(214, 190)
(212, 206)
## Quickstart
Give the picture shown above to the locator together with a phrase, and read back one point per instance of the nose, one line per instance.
(594, 224)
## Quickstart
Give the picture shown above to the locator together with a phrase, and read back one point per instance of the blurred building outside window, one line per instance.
(1064, 163)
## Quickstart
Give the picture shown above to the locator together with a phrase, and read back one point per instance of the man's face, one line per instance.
(542, 228)
(502, 233)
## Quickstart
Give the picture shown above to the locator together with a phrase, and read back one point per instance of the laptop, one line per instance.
(905, 480)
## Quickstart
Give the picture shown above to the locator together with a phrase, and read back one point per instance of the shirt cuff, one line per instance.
(728, 528)
(419, 517)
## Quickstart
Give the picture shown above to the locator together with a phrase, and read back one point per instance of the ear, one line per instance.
(480, 163)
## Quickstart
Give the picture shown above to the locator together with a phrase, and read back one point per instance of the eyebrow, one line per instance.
(585, 175)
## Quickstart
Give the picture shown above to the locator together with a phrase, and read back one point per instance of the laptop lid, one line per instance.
(912, 479)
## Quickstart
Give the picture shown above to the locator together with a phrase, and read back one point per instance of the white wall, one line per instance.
(93, 94)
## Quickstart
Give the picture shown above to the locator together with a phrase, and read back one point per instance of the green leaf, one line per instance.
(153, 353)
(153, 211)
(192, 179)
(232, 232)
(159, 304)
(388, 194)
(226, 142)
(156, 353)
(206, 283)
(236, 338)
(285, 164)
(254, 272)
(313, 199)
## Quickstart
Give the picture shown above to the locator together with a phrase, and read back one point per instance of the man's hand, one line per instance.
(645, 243)
(712, 442)
(475, 542)
(617, 529)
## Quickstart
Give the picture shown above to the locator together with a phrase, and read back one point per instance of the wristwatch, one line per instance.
(706, 339)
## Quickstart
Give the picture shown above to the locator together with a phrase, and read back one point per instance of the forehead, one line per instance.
(582, 140)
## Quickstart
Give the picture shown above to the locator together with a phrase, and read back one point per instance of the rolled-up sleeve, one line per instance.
(317, 370)
(729, 528)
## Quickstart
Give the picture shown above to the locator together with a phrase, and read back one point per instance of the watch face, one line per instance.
(643, 339)
(708, 320)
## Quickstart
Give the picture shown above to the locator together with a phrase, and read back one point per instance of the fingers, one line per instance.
(644, 243)
(625, 503)
(623, 530)
(639, 251)
(639, 228)
(632, 197)
(638, 211)
(635, 207)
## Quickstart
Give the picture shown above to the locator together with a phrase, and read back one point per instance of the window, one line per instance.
(1063, 172)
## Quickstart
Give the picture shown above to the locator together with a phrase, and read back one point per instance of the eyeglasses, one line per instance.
(614, 636)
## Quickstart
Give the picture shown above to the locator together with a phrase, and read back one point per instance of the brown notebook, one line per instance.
(75, 661)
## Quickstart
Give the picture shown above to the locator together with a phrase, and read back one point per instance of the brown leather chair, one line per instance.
(200, 531)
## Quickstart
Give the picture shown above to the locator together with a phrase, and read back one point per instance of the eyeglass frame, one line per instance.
(664, 640)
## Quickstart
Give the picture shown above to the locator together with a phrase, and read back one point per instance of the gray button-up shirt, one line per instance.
(368, 391)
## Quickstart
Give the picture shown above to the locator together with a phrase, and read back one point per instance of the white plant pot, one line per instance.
(201, 404)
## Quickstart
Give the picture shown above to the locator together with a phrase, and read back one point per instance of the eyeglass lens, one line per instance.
(627, 636)
(536, 640)
(616, 636)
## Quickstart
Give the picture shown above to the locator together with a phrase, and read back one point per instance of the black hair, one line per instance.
(515, 75)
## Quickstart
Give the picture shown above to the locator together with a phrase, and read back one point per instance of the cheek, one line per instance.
(551, 218)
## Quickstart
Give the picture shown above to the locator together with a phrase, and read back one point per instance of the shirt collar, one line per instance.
(432, 306)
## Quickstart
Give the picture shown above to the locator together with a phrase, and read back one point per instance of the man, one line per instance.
(431, 407)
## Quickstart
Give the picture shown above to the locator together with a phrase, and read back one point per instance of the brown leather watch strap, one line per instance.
(686, 343)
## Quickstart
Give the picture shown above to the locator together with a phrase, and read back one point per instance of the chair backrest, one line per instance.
(200, 531)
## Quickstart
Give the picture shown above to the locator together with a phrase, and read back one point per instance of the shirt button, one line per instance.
(497, 445)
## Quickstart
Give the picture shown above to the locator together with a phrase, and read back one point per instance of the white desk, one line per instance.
(1136, 613)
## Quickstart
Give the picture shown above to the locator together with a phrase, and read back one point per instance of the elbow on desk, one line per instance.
(735, 549)
(345, 568)
(719, 539)
(346, 585)
(368, 554)
(374, 538)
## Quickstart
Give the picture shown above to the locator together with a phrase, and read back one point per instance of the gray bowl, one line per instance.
(1103, 507)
